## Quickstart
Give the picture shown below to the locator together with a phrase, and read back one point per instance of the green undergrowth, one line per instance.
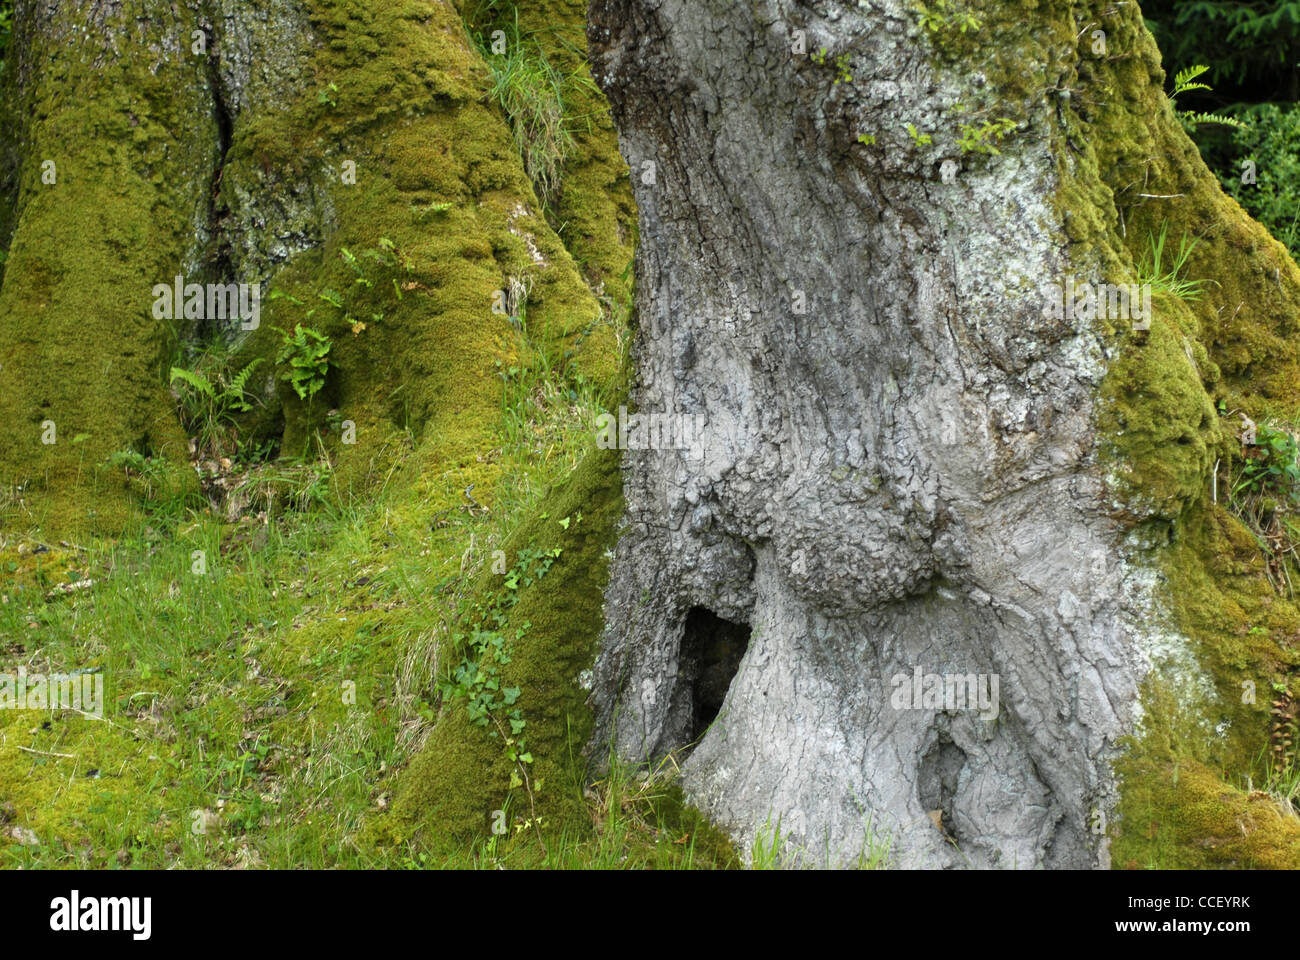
(269, 697)
(261, 712)
(554, 621)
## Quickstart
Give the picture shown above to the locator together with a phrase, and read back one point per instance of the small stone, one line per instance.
(24, 836)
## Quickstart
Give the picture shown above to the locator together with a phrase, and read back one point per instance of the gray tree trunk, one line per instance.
(897, 470)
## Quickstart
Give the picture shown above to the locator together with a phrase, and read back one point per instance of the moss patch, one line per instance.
(117, 117)
(398, 93)
(1178, 812)
(1163, 438)
(462, 775)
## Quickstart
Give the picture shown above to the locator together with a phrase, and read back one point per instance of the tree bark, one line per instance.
(907, 466)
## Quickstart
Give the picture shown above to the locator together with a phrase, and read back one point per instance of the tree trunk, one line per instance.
(111, 151)
(263, 150)
(907, 465)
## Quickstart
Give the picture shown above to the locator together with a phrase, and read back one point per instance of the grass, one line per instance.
(226, 690)
(1167, 275)
(772, 850)
(256, 714)
(1263, 492)
(1282, 785)
(638, 821)
(533, 93)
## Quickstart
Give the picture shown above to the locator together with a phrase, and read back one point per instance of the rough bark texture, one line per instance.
(908, 474)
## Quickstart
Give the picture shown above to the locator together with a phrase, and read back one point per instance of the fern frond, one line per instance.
(1191, 119)
(1183, 80)
(194, 379)
(237, 384)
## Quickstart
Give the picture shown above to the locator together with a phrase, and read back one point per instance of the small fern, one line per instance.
(195, 379)
(210, 396)
(1190, 119)
(1185, 80)
(307, 352)
(235, 392)
(982, 138)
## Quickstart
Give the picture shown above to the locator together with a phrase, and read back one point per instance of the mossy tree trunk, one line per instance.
(111, 144)
(267, 143)
(850, 218)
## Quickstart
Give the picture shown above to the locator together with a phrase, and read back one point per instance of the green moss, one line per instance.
(409, 113)
(131, 141)
(1177, 812)
(1162, 439)
(595, 211)
(1156, 417)
(9, 162)
(403, 101)
(462, 775)
(1241, 628)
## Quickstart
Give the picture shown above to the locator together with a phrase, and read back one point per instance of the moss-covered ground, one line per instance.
(264, 712)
